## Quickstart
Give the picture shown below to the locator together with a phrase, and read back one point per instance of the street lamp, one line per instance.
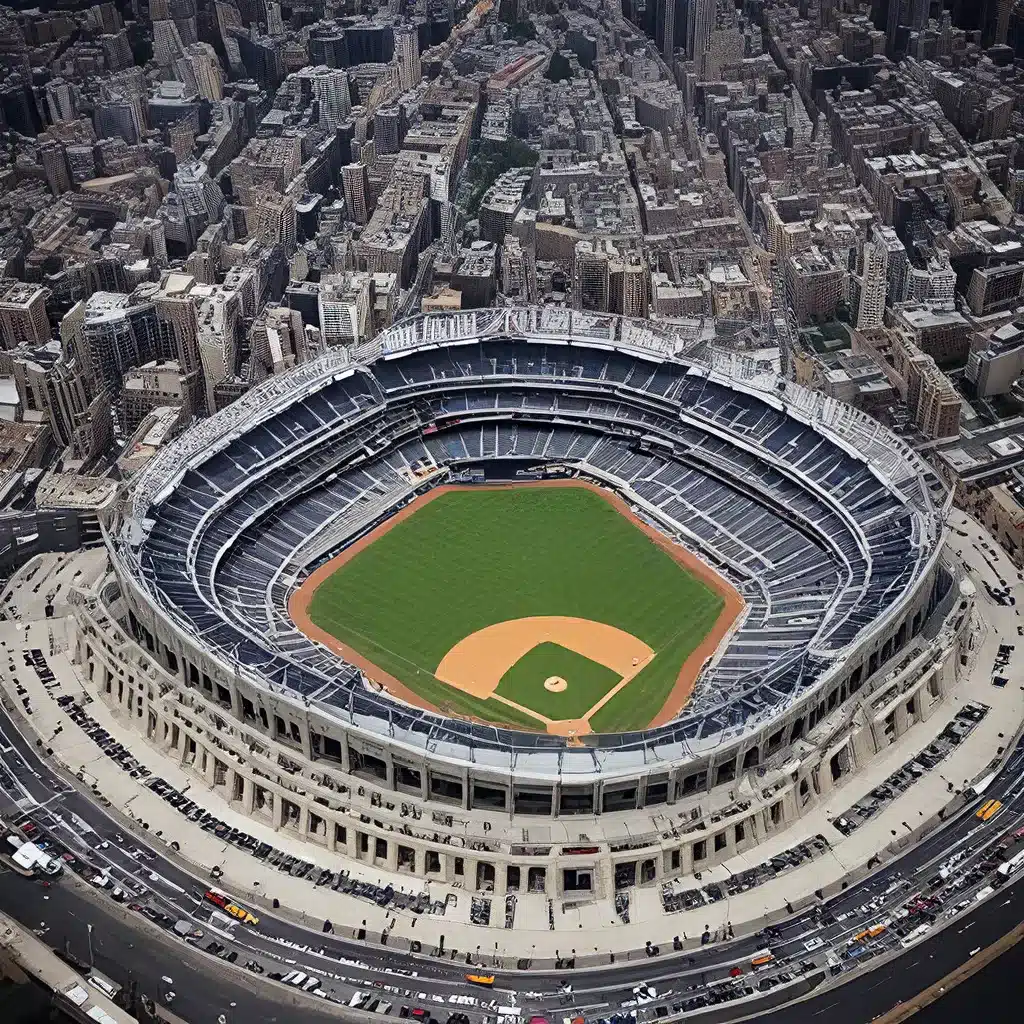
(92, 959)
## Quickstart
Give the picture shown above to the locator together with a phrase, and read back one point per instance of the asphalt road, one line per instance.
(872, 992)
(988, 996)
(203, 987)
(36, 776)
(206, 988)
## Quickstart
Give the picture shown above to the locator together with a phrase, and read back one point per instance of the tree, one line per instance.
(490, 161)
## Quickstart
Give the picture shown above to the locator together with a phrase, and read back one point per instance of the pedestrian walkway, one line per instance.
(587, 927)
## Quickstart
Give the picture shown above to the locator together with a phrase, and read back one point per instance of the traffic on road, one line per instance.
(943, 878)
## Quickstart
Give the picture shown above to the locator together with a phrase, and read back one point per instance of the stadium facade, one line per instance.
(829, 525)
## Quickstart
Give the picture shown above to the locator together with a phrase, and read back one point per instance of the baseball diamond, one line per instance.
(469, 599)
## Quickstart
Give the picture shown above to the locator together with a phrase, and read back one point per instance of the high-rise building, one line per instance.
(262, 58)
(79, 422)
(146, 234)
(183, 139)
(167, 45)
(995, 21)
(266, 163)
(993, 289)
(200, 69)
(183, 14)
(628, 284)
(82, 161)
(345, 302)
(407, 53)
(278, 340)
(933, 280)
(275, 23)
(230, 25)
(919, 14)
(177, 321)
(814, 286)
(156, 384)
(117, 51)
(398, 229)
(116, 334)
(724, 44)
(330, 88)
(386, 296)
(29, 368)
(994, 370)
(356, 185)
(897, 263)
(54, 159)
(590, 276)
(388, 129)
(700, 21)
(18, 108)
(219, 324)
(271, 219)
(23, 319)
(932, 400)
(518, 271)
(475, 276)
(117, 117)
(664, 27)
(61, 100)
(200, 195)
(104, 17)
(873, 282)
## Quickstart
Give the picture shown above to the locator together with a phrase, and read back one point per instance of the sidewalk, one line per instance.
(592, 927)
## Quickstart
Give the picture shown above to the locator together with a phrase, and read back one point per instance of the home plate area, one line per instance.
(555, 669)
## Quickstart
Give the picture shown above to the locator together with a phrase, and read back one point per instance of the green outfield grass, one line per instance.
(472, 558)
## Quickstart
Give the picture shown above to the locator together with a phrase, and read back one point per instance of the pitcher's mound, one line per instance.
(556, 684)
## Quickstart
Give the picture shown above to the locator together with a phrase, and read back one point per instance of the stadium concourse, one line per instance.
(856, 652)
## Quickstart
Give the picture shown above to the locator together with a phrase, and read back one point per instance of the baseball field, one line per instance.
(537, 607)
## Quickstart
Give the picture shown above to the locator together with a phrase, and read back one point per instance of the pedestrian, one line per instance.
(731, 935)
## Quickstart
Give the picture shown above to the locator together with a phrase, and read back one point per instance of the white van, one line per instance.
(103, 984)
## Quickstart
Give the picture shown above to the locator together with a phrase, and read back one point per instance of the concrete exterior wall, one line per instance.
(296, 768)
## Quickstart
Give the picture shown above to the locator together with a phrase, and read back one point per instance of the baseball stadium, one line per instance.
(536, 565)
